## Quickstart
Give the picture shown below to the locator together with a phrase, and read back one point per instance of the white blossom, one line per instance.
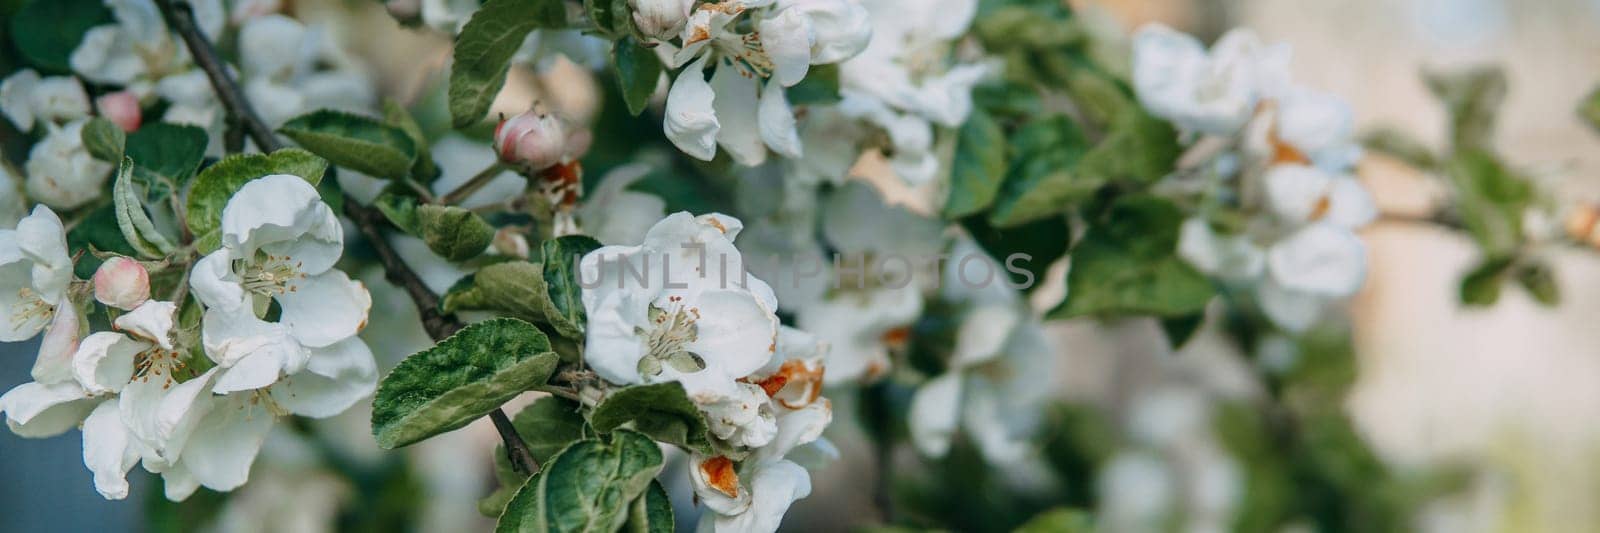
(61, 172)
(25, 98)
(34, 273)
(1216, 92)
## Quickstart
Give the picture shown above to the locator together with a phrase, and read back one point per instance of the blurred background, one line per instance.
(1511, 390)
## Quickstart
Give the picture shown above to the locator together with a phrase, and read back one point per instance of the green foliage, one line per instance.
(459, 380)
(651, 512)
(1589, 109)
(355, 142)
(609, 16)
(1059, 521)
(1040, 242)
(484, 48)
(1540, 281)
(137, 229)
(104, 140)
(1400, 145)
(587, 487)
(423, 169)
(819, 87)
(47, 31)
(1472, 97)
(1040, 181)
(663, 411)
(166, 155)
(452, 232)
(529, 291)
(217, 183)
(1490, 200)
(561, 256)
(637, 70)
(100, 232)
(979, 166)
(1127, 264)
(548, 425)
(1481, 285)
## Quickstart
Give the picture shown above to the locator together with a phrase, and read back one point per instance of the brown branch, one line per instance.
(179, 16)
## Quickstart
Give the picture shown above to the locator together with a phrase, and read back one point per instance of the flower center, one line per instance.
(746, 55)
(30, 306)
(270, 275)
(157, 362)
(672, 329)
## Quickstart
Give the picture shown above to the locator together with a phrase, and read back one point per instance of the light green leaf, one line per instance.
(979, 167)
(104, 140)
(819, 87)
(1127, 265)
(400, 209)
(137, 229)
(355, 142)
(638, 70)
(1540, 281)
(1472, 97)
(561, 257)
(548, 425)
(217, 183)
(585, 488)
(452, 232)
(1481, 286)
(484, 48)
(459, 380)
(1491, 200)
(47, 31)
(651, 512)
(1061, 520)
(513, 288)
(663, 411)
(1400, 145)
(423, 169)
(1589, 109)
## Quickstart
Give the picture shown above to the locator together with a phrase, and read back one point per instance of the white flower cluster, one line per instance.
(277, 337)
(1294, 152)
(695, 318)
(756, 49)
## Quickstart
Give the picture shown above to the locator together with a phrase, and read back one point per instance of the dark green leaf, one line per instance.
(651, 512)
(561, 257)
(47, 31)
(1027, 251)
(548, 425)
(1491, 200)
(1182, 328)
(663, 411)
(638, 70)
(1481, 286)
(459, 380)
(355, 142)
(484, 48)
(1540, 281)
(1041, 181)
(137, 229)
(819, 87)
(104, 140)
(217, 183)
(423, 169)
(166, 154)
(979, 166)
(1127, 265)
(99, 232)
(452, 232)
(587, 487)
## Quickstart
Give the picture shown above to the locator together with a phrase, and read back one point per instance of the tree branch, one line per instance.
(179, 16)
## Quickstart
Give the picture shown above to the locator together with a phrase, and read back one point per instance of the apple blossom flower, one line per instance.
(754, 494)
(34, 273)
(26, 98)
(137, 49)
(122, 283)
(61, 172)
(660, 19)
(1214, 93)
(531, 140)
(743, 108)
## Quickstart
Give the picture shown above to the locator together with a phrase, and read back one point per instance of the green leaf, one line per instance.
(100, 232)
(1027, 251)
(169, 151)
(663, 411)
(514, 288)
(423, 169)
(819, 87)
(104, 140)
(561, 257)
(651, 512)
(1059, 521)
(1589, 109)
(1490, 199)
(484, 48)
(399, 208)
(1481, 286)
(1400, 145)
(355, 142)
(587, 487)
(1040, 181)
(47, 31)
(979, 167)
(137, 229)
(1540, 281)
(638, 70)
(1180, 329)
(459, 380)
(217, 183)
(604, 14)
(1472, 97)
(1127, 265)
(548, 425)
(452, 232)
(1139, 149)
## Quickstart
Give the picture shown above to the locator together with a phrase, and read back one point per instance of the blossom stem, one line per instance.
(483, 177)
(179, 16)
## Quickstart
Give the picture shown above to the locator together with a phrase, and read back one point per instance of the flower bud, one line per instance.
(533, 140)
(121, 283)
(660, 19)
(121, 108)
(509, 243)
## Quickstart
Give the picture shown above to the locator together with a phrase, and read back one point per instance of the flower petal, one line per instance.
(736, 107)
(326, 308)
(35, 410)
(935, 413)
(214, 282)
(777, 123)
(773, 488)
(786, 38)
(1320, 259)
(691, 119)
(151, 321)
(225, 443)
(104, 361)
(335, 378)
(108, 450)
(60, 342)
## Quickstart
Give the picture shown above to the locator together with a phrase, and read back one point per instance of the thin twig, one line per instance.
(482, 178)
(179, 16)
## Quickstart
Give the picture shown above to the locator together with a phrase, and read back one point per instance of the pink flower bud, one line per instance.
(508, 242)
(121, 108)
(532, 140)
(121, 283)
